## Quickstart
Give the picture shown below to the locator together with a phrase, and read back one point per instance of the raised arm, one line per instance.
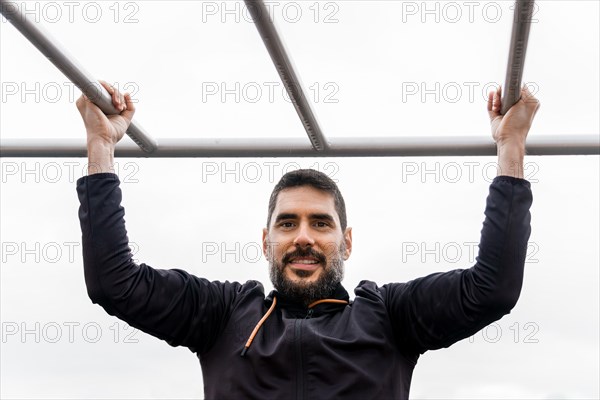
(169, 304)
(437, 310)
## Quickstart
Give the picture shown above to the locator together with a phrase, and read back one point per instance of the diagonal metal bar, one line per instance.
(287, 73)
(516, 55)
(415, 146)
(71, 68)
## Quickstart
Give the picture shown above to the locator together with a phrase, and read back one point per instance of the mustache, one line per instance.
(309, 252)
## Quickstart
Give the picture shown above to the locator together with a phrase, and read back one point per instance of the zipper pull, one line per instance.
(309, 313)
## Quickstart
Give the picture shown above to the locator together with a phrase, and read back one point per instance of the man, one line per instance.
(306, 339)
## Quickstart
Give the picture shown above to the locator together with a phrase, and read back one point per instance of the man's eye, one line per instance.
(322, 224)
(286, 224)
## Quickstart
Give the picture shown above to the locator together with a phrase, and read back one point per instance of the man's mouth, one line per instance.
(304, 263)
(305, 260)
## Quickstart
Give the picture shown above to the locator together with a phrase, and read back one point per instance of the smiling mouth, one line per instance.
(304, 264)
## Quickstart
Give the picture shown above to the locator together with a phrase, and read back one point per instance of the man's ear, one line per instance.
(348, 241)
(265, 244)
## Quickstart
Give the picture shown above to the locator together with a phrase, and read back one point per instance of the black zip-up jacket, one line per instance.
(366, 349)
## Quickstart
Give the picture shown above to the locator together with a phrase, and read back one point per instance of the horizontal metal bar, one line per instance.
(415, 146)
(287, 73)
(69, 66)
(516, 55)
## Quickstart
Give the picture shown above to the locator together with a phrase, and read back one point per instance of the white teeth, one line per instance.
(304, 261)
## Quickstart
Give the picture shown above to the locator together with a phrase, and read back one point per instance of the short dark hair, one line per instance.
(315, 179)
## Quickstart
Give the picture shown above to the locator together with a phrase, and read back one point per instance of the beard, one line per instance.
(308, 292)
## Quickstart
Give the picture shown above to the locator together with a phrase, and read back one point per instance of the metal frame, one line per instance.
(516, 55)
(338, 147)
(69, 66)
(287, 73)
(268, 147)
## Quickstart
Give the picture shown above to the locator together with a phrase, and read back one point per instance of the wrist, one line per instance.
(98, 142)
(515, 141)
(514, 148)
(511, 137)
(510, 159)
(100, 156)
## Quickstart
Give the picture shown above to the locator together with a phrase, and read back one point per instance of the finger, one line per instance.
(492, 109)
(117, 102)
(105, 85)
(526, 94)
(111, 91)
(496, 101)
(129, 108)
(499, 98)
(116, 97)
(108, 87)
(122, 102)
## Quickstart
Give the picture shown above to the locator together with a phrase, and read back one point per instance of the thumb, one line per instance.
(532, 103)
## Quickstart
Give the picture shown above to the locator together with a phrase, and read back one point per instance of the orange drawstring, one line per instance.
(257, 327)
(311, 305)
(270, 310)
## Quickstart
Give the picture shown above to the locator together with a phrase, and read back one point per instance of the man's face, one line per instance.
(305, 245)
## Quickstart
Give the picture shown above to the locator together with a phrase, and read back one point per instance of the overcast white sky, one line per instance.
(376, 68)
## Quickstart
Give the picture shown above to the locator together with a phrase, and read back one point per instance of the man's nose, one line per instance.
(304, 237)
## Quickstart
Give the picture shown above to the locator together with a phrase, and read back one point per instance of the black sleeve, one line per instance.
(170, 304)
(438, 310)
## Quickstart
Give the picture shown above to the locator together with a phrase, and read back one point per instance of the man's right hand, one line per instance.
(510, 131)
(103, 132)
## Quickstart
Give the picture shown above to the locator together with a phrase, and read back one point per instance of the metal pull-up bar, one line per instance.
(415, 146)
(516, 55)
(262, 147)
(72, 70)
(287, 73)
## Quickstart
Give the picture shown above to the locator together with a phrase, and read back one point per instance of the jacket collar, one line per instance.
(298, 309)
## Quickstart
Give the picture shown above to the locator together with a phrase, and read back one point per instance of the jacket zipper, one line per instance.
(299, 369)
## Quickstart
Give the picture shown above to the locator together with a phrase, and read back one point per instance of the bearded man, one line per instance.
(306, 339)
